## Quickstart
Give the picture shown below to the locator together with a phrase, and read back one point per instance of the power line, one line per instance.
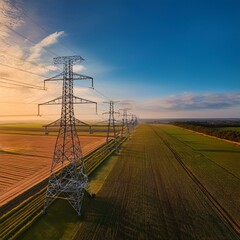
(6, 86)
(43, 29)
(22, 115)
(22, 70)
(40, 26)
(99, 93)
(18, 83)
(34, 43)
(9, 45)
(17, 103)
(23, 59)
(15, 84)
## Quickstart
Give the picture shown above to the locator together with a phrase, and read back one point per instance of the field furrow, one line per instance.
(29, 161)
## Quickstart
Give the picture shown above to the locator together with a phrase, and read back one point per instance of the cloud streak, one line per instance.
(192, 102)
(40, 47)
(9, 15)
(18, 53)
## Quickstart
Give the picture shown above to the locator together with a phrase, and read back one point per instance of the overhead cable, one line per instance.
(22, 70)
(20, 84)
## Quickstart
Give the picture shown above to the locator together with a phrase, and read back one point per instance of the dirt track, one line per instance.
(26, 160)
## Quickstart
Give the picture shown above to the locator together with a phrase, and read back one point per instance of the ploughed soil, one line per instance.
(26, 160)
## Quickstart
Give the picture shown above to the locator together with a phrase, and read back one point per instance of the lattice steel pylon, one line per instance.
(125, 124)
(111, 121)
(68, 175)
(133, 122)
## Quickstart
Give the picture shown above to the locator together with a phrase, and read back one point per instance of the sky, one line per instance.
(161, 59)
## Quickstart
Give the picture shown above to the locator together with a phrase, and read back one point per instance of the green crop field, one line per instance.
(167, 183)
(214, 162)
(224, 130)
(61, 221)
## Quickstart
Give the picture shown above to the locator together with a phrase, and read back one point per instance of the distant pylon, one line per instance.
(133, 121)
(68, 175)
(111, 121)
(125, 124)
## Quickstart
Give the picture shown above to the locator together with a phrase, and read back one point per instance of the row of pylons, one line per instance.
(68, 178)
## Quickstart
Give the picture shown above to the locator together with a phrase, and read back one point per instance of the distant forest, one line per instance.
(213, 128)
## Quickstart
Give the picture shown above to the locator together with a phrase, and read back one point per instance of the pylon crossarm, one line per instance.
(77, 76)
(58, 77)
(81, 123)
(78, 100)
(67, 59)
(58, 100)
(55, 101)
(53, 124)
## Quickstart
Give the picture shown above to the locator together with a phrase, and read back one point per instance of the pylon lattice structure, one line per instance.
(111, 122)
(58, 100)
(68, 175)
(133, 121)
(57, 124)
(125, 123)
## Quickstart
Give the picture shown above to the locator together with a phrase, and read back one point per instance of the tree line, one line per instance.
(211, 128)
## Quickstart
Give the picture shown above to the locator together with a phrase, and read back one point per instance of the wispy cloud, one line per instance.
(40, 47)
(10, 15)
(192, 102)
(17, 50)
(14, 55)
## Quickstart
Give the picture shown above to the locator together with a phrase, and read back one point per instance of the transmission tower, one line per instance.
(68, 175)
(125, 124)
(58, 100)
(133, 121)
(111, 121)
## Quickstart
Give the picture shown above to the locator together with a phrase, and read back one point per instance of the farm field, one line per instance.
(214, 162)
(61, 221)
(150, 194)
(38, 129)
(225, 130)
(26, 160)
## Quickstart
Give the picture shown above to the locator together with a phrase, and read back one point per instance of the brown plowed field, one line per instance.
(25, 160)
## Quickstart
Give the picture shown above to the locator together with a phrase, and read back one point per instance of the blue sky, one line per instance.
(148, 53)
